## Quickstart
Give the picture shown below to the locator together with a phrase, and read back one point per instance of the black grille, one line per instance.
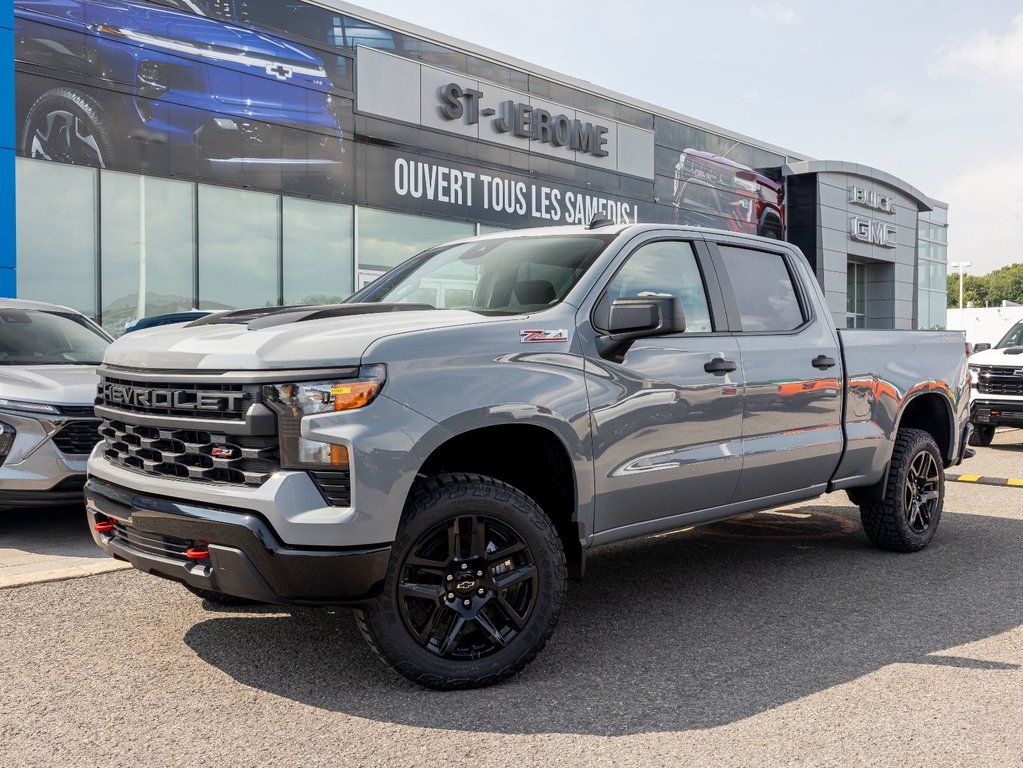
(123, 394)
(335, 485)
(77, 437)
(76, 410)
(150, 543)
(1000, 381)
(191, 454)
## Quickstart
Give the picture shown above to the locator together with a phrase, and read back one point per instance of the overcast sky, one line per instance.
(928, 91)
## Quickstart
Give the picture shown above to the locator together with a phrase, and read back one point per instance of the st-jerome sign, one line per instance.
(524, 121)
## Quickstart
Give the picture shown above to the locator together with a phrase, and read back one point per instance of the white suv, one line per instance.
(48, 359)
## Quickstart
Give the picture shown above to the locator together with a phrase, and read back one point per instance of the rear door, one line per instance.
(792, 436)
(667, 416)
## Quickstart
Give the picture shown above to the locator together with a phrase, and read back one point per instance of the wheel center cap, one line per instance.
(466, 585)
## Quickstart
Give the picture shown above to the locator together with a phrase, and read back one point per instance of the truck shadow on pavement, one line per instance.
(691, 630)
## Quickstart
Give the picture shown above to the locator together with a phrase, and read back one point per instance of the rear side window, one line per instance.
(763, 290)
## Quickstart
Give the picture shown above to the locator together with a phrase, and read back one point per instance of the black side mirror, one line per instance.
(981, 347)
(638, 317)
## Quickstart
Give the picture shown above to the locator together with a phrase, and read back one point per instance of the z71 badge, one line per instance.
(533, 337)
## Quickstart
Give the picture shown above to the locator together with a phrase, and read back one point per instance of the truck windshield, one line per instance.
(1013, 338)
(506, 275)
(39, 337)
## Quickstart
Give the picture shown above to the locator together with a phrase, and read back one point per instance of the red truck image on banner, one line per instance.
(710, 190)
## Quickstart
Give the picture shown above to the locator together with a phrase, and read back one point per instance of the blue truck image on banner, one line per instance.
(175, 92)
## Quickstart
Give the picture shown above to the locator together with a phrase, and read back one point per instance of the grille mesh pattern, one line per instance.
(192, 454)
(1000, 381)
(150, 543)
(77, 437)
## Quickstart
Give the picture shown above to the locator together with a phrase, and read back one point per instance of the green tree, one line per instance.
(1005, 284)
(976, 288)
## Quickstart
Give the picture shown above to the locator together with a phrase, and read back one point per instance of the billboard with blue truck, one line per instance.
(175, 89)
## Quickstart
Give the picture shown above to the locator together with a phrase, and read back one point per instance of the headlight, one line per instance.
(22, 405)
(305, 398)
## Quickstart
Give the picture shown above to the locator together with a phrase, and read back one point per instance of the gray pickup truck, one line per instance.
(441, 451)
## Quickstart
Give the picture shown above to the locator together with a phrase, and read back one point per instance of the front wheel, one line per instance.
(474, 588)
(908, 516)
(982, 435)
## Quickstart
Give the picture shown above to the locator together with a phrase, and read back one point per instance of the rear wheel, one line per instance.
(982, 435)
(475, 584)
(908, 516)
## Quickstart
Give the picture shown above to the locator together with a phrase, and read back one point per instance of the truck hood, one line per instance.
(52, 384)
(999, 357)
(324, 343)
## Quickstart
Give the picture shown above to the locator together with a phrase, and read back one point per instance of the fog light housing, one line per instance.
(150, 80)
(7, 435)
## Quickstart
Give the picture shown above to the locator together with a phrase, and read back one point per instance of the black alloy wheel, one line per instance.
(921, 491)
(474, 588)
(907, 517)
(68, 127)
(467, 588)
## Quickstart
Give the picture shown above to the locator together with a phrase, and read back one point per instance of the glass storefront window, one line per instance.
(319, 251)
(386, 239)
(238, 248)
(56, 237)
(855, 296)
(148, 241)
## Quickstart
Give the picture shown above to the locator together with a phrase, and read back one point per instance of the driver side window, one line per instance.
(666, 268)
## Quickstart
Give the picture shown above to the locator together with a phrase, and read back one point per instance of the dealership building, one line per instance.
(165, 154)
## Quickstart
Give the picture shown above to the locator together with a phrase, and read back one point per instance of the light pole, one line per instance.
(962, 265)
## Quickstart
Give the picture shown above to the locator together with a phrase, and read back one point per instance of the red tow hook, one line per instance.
(196, 553)
(103, 526)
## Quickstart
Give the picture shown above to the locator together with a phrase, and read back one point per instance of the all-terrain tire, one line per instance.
(447, 499)
(888, 523)
(982, 435)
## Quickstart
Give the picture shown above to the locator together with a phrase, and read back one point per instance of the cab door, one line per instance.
(666, 415)
(792, 436)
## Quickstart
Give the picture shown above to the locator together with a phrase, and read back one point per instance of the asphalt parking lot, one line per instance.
(775, 639)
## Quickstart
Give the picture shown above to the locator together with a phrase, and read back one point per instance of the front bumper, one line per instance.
(246, 558)
(1005, 413)
(67, 491)
(36, 472)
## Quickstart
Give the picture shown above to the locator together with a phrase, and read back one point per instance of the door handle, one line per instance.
(719, 366)
(823, 362)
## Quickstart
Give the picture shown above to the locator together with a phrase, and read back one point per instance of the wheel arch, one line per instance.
(931, 412)
(554, 482)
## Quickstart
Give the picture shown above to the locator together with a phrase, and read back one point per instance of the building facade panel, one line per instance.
(286, 136)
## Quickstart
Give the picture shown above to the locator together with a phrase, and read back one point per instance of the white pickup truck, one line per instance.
(996, 392)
